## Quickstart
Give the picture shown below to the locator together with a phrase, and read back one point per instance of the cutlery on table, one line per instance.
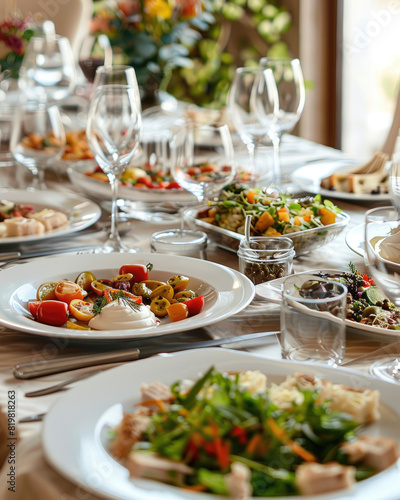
(11, 256)
(43, 368)
(62, 385)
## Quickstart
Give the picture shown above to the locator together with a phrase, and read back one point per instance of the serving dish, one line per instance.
(303, 241)
(225, 291)
(80, 211)
(308, 178)
(87, 412)
(101, 190)
(271, 291)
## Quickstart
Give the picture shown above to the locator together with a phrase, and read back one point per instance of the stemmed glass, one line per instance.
(37, 137)
(95, 51)
(291, 93)
(48, 71)
(252, 107)
(383, 263)
(202, 158)
(113, 132)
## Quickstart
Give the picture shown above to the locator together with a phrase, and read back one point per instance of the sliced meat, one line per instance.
(313, 478)
(19, 226)
(129, 432)
(155, 391)
(238, 481)
(49, 218)
(150, 466)
(377, 452)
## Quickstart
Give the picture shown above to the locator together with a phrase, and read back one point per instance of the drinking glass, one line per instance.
(382, 258)
(313, 319)
(113, 132)
(253, 88)
(202, 158)
(48, 70)
(37, 138)
(95, 51)
(289, 81)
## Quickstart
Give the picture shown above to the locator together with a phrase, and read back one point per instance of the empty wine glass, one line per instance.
(291, 97)
(37, 138)
(382, 243)
(48, 71)
(202, 158)
(113, 132)
(253, 88)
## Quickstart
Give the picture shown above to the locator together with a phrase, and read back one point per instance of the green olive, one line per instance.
(185, 295)
(141, 289)
(163, 291)
(178, 283)
(159, 306)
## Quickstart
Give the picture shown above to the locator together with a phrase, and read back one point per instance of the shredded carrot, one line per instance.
(222, 453)
(254, 441)
(195, 487)
(150, 402)
(301, 452)
(276, 430)
(296, 448)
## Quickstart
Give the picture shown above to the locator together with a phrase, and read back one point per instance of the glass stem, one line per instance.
(276, 177)
(114, 235)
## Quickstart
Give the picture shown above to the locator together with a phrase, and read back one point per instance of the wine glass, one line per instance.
(48, 71)
(113, 132)
(291, 96)
(95, 51)
(37, 138)
(252, 89)
(202, 158)
(381, 245)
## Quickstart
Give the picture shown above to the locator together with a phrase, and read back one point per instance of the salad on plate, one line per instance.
(229, 434)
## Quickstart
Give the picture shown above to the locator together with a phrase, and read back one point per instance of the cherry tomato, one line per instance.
(112, 293)
(208, 168)
(84, 280)
(195, 305)
(178, 282)
(68, 290)
(46, 291)
(139, 271)
(98, 287)
(52, 312)
(174, 185)
(81, 310)
(33, 307)
(122, 277)
(178, 311)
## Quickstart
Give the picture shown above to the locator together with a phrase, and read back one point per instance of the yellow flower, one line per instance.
(158, 8)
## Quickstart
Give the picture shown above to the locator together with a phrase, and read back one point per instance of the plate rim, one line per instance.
(10, 241)
(313, 188)
(236, 302)
(369, 329)
(212, 356)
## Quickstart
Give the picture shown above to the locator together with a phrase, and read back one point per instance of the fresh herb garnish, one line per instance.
(99, 303)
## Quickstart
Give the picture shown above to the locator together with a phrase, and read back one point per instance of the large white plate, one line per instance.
(80, 211)
(271, 291)
(102, 190)
(309, 178)
(225, 291)
(86, 413)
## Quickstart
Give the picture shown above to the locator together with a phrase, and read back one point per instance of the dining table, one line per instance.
(36, 478)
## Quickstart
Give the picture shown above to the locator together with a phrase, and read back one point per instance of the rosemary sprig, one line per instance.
(126, 301)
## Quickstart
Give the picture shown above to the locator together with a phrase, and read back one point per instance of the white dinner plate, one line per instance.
(309, 179)
(225, 291)
(355, 239)
(271, 291)
(80, 211)
(101, 190)
(88, 411)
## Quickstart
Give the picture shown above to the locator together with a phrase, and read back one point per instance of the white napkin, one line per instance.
(390, 246)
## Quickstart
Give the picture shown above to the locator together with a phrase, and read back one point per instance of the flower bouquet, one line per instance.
(15, 33)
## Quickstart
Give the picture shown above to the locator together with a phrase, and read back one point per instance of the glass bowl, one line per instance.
(303, 241)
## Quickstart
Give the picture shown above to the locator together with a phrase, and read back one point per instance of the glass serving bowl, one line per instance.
(303, 241)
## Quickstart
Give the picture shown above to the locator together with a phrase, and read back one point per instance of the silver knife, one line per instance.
(8, 256)
(43, 368)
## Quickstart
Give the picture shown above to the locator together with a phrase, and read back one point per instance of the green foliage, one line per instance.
(260, 25)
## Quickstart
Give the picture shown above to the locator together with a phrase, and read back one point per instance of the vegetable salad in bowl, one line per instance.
(229, 434)
(308, 221)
